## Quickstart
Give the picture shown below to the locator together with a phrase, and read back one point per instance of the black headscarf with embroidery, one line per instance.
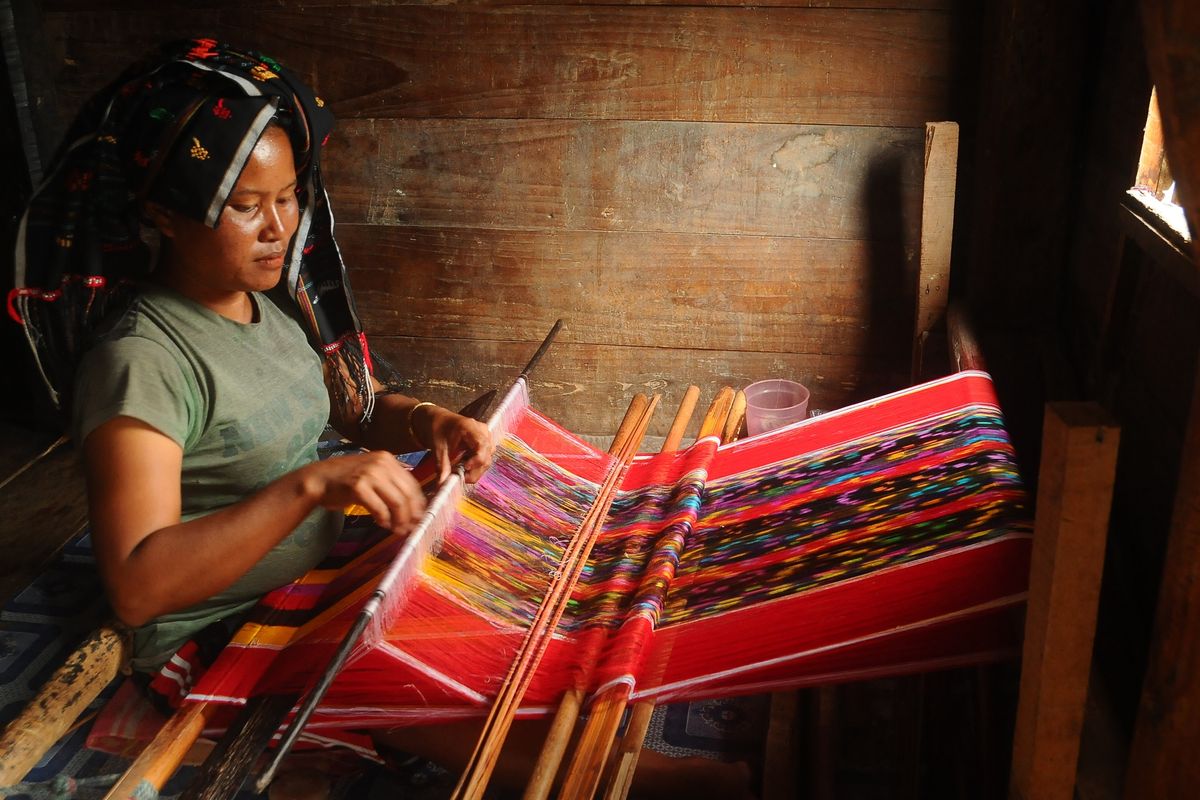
(175, 129)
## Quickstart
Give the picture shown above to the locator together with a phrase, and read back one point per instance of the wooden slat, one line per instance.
(1031, 96)
(937, 233)
(1162, 760)
(22, 448)
(53, 711)
(824, 66)
(770, 294)
(794, 180)
(144, 5)
(40, 510)
(1079, 457)
(582, 385)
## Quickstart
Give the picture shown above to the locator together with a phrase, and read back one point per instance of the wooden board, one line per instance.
(135, 5)
(586, 387)
(1079, 457)
(40, 510)
(665, 290)
(1032, 94)
(1162, 761)
(937, 235)
(782, 180)
(815, 65)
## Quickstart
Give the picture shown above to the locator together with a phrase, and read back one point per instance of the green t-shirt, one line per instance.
(246, 402)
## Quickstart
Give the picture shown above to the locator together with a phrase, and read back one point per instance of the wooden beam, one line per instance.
(965, 352)
(1079, 456)
(553, 60)
(53, 711)
(937, 234)
(1162, 760)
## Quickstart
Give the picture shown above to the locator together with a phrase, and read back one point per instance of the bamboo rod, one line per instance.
(154, 767)
(687, 406)
(599, 734)
(483, 759)
(718, 413)
(540, 632)
(737, 415)
(629, 749)
(541, 780)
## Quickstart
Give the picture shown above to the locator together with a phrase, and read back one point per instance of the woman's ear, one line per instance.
(162, 218)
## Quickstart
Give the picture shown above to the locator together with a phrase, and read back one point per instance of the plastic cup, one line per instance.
(773, 403)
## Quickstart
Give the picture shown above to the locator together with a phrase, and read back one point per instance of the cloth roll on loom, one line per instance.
(885, 538)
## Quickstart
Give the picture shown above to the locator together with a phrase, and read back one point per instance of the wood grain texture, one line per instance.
(1162, 759)
(40, 510)
(814, 65)
(937, 233)
(1079, 458)
(144, 5)
(667, 290)
(586, 386)
(781, 180)
(53, 710)
(1038, 72)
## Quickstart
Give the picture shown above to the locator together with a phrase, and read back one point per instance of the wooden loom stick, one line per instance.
(629, 749)
(483, 760)
(154, 766)
(737, 415)
(223, 773)
(625, 444)
(542, 779)
(48, 716)
(476, 410)
(224, 770)
(599, 734)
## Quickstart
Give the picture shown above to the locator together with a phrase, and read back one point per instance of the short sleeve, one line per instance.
(133, 377)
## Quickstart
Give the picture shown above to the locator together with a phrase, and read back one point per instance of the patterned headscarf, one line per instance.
(175, 129)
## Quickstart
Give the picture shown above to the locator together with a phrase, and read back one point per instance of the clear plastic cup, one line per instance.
(773, 403)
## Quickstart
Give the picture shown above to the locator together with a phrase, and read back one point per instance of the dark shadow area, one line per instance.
(892, 273)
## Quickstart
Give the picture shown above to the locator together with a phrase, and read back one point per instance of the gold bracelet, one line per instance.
(412, 432)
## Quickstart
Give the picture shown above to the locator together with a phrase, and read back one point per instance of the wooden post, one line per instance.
(965, 352)
(1079, 457)
(937, 234)
(52, 712)
(1162, 759)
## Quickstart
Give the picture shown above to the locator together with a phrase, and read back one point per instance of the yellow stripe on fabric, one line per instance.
(255, 634)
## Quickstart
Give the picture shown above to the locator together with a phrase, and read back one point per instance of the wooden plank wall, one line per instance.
(706, 193)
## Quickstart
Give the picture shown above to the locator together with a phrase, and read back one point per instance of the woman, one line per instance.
(199, 406)
(199, 414)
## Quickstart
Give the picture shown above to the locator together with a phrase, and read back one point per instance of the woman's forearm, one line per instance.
(182, 564)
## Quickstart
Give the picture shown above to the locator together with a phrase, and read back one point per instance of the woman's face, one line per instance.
(245, 251)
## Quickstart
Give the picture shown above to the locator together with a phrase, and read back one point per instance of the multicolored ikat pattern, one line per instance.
(680, 551)
(882, 539)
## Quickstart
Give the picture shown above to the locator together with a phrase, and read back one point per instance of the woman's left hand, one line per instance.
(452, 436)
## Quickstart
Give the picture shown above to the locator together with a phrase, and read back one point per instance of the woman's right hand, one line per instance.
(374, 480)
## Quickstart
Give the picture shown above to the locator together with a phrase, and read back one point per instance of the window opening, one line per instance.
(1154, 187)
